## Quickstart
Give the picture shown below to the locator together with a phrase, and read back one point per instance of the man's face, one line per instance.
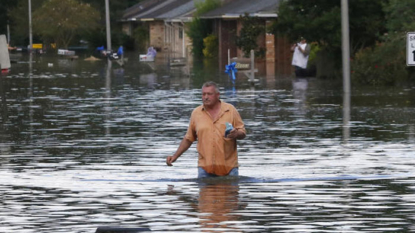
(209, 96)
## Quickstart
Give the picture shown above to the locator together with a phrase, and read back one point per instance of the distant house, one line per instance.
(227, 25)
(166, 22)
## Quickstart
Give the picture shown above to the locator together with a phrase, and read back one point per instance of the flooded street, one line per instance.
(84, 145)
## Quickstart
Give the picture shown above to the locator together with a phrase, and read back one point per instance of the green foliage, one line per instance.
(206, 6)
(98, 37)
(127, 41)
(17, 12)
(385, 64)
(117, 8)
(381, 65)
(141, 36)
(60, 21)
(399, 16)
(200, 28)
(252, 28)
(377, 34)
(211, 44)
(315, 48)
(19, 22)
(320, 21)
(5, 5)
(119, 38)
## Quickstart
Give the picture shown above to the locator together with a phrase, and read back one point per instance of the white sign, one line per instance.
(410, 49)
(4, 53)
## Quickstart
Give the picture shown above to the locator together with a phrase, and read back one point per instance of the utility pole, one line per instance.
(346, 69)
(107, 19)
(108, 75)
(30, 26)
(345, 46)
(8, 32)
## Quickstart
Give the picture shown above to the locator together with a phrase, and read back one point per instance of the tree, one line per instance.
(5, 6)
(319, 21)
(399, 19)
(201, 28)
(19, 25)
(252, 28)
(117, 8)
(97, 37)
(384, 64)
(60, 21)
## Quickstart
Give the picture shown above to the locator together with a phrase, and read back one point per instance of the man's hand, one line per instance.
(293, 47)
(233, 134)
(184, 145)
(170, 160)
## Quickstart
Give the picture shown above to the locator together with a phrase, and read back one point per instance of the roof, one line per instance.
(234, 9)
(138, 8)
(150, 10)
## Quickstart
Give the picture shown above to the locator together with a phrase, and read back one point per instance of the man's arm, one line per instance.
(184, 145)
(306, 51)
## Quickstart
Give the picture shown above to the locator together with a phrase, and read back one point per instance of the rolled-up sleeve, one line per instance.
(191, 130)
(237, 121)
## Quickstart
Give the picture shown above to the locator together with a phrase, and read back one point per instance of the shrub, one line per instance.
(315, 48)
(127, 41)
(252, 27)
(200, 28)
(141, 36)
(382, 65)
(211, 46)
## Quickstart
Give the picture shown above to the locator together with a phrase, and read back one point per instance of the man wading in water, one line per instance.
(300, 57)
(217, 151)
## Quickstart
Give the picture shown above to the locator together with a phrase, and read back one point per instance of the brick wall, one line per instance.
(157, 34)
(270, 51)
(283, 56)
(226, 36)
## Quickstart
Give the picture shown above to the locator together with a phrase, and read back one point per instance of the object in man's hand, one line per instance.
(228, 129)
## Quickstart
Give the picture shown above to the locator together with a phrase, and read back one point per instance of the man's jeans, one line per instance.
(203, 174)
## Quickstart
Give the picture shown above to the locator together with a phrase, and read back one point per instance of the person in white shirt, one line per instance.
(300, 57)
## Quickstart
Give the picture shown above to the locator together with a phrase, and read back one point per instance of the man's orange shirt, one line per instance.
(217, 154)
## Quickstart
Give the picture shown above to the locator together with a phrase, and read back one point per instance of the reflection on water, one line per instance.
(384, 205)
(300, 86)
(83, 145)
(215, 204)
(346, 116)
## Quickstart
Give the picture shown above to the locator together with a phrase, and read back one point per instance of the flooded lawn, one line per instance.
(83, 146)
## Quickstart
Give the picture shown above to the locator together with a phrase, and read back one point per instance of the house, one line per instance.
(227, 25)
(166, 22)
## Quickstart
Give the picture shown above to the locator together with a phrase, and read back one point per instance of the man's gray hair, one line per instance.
(210, 84)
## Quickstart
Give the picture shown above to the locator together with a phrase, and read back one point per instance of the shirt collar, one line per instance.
(223, 107)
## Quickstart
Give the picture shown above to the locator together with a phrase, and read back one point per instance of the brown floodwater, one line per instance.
(83, 145)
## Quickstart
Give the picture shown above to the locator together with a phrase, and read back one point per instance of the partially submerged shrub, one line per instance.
(211, 45)
(382, 65)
